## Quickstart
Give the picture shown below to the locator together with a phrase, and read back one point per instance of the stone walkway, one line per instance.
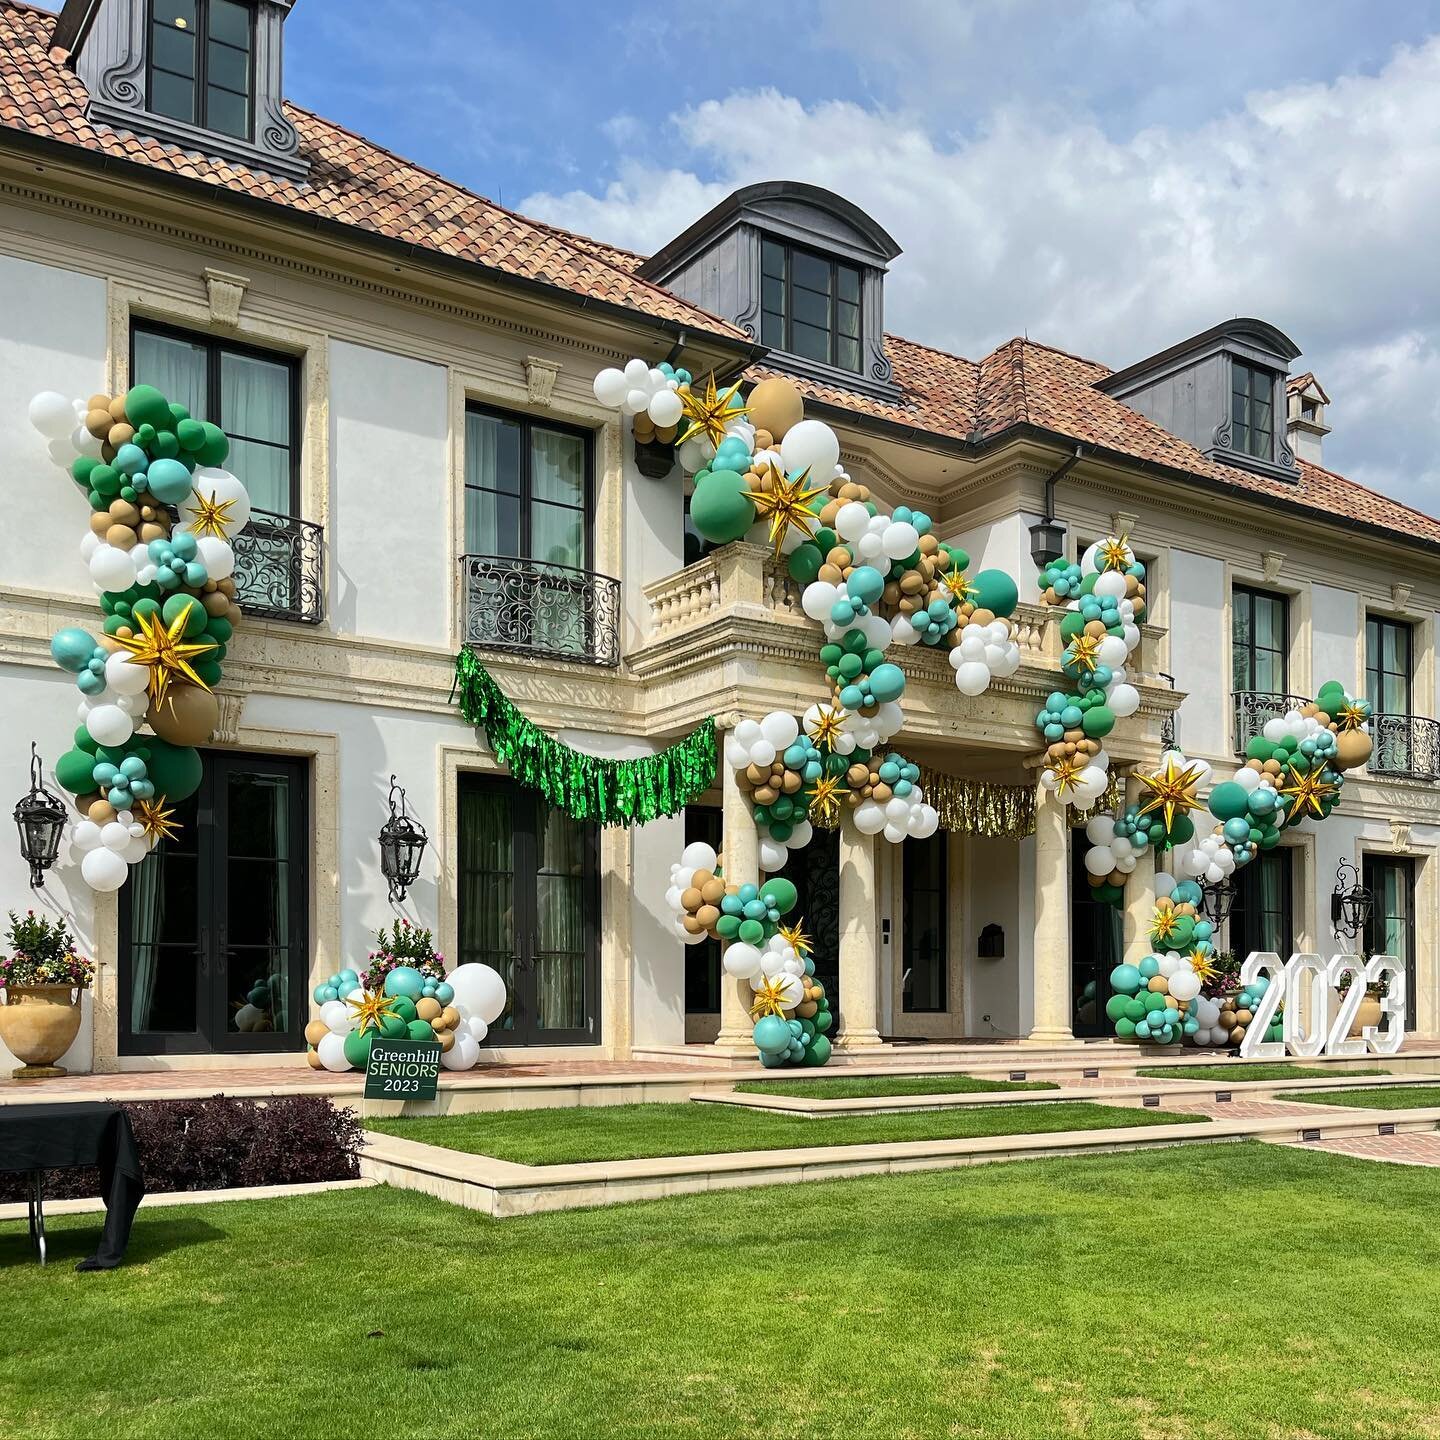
(1414, 1148)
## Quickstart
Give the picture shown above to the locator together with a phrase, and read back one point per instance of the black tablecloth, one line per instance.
(62, 1136)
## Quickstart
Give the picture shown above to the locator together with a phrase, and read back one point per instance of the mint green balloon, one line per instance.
(994, 590)
(720, 508)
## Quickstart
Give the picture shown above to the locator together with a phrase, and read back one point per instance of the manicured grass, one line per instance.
(854, 1087)
(628, 1132)
(1382, 1097)
(1004, 1302)
(1239, 1074)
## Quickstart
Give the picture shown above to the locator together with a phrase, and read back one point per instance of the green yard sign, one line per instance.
(402, 1070)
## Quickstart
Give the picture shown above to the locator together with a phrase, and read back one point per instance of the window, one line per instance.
(810, 305)
(1387, 665)
(253, 395)
(1261, 917)
(1391, 928)
(201, 68)
(1252, 402)
(1260, 642)
(926, 935)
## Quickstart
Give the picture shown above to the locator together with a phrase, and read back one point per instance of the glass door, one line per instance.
(1391, 929)
(529, 905)
(1097, 946)
(926, 943)
(214, 923)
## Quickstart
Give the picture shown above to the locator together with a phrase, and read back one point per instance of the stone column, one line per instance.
(741, 847)
(1051, 965)
(1139, 892)
(859, 939)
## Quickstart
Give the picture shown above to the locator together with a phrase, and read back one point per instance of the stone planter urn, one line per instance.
(38, 1024)
(1369, 1013)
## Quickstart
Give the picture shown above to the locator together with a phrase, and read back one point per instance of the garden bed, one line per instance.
(1377, 1097)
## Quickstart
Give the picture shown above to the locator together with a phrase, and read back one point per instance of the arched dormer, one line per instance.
(800, 269)
(1222, 390)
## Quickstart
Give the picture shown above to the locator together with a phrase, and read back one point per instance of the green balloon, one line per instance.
(392, 1027)
(209, 672)
(1229, 800)
(720, 508)
(1183, 829)
(781, 892)
(145, 405)
(73, 771)
(81, 470)
(727, 927)
(190, 608)
(175, 770)
(1125, 1028)
(1098, 720)
(752, 932)
(420, 1030)
(357, 1048)
(1115, 1006)
(1072, 623)
(404, 1007)
(215, 448)
(959, 559)
(817, 1052)
(995, 590)
(191, 434)
(805, 563)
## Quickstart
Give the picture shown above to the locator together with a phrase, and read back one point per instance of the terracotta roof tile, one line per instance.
(352, 180)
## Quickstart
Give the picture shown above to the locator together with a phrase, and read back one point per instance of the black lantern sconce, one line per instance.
(1217, 901)
(991, 944)
(402, 844)
(39, 817)
(1350, 902)
(1047, 542)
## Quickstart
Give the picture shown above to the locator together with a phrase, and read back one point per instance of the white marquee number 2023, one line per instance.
(1330, 1016)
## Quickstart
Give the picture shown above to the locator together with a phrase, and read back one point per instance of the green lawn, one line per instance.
(1009, 1302)
(630, 1132)
(1239, 1074)
(1388, 1097)
(854, 1087)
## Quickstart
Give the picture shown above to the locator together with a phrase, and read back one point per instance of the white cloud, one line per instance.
(1315, 206)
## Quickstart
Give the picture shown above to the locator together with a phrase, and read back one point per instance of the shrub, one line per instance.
(223, 1143)
(402, 944)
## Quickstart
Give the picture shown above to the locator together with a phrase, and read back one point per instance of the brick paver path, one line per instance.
(1415, 1148)
(1255, 1109)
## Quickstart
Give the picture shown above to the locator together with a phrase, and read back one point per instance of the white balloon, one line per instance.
(1169, 964)
(747, 732)
(1184, 985)
(477, 1027)
(112, 569)
(90, 542)
(699, 856)
(741, 960)
(114, 835)
(1099, 860)
(637, 372)
(331, 1052)
(1111, 651)
(480, 990)
(84, 443)
(103, 869)
(635, 402)
(818, 599)
(216, 556)
(463, 1054)
(1110, 582)
(125, 677)
(895, 833)
(666, 408)
(1100, 829)
(1125, 700)
(869, 817)
(811, 445)
(135, 849)
(133, 705)
(109, 725)
(773, 854)
(852, 520)
(611, 387)
(929, 823)
(52, 414)
(901, 539)
(337, 1017)
(780, 729)
(1164, 885)
(762, 752)
(1121, 847)
(972, 677)
(85, 835)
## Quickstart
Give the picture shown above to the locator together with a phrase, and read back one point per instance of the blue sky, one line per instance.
(1107, 176)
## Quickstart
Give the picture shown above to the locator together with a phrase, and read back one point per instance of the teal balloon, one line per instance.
(771, 1035)
(866, 583)
(1228, 800)
(405, 980)
(1126, 978)
(444, 993)
(995, 590)
(887, 682)
(71, 648)
(168, 480)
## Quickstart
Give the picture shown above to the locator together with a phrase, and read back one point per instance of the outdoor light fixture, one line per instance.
(1217, 901)
(39, 817)
(1047, 542)
(1350, 902)
(402, 843)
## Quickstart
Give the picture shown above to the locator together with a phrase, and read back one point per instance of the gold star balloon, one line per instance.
(1200, 964)
(709, 411)
(1308, 791)
(1171, 790)
(785, 504)
(372, 1007)
(823, 804)
(1114, 553)
(1084, 652)
(827, 726)
(795, 936)
(211, 515)
(1165, 923)
(1352, 715)
(954, 581)
(1067, 773)
(165, 651)
(770, 996)
(159, 822)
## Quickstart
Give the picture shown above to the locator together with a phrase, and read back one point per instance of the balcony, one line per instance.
(530, 607)
(1254, 707)
(1405, 746)
(280, 568)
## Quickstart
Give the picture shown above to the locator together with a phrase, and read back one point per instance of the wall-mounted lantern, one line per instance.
(402, 844)
(1217, 901)
(40, 818)
(1350, 902)
(991, 945)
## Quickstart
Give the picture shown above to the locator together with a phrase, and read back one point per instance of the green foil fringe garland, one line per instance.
(981, 807)
(586, 787)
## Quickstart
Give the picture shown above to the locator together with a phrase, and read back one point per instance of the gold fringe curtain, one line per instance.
(1000, 812)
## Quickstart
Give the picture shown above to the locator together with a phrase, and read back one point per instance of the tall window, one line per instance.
(1391, 928)
(1262, 917)
(1260, 642)
(201, 66)
(926, 942)
(1252, 406)
(1387, 665)
(253, 395)
(810, 305)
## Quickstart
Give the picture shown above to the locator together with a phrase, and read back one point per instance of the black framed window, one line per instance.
(702, 961)
(810, 305)
(1262, 917)
(1387, 665)
(1259, 642)
(253, 395)
(202, 63)
(926, 941)
(529, 488)
(1252, 410)
(1391, 927)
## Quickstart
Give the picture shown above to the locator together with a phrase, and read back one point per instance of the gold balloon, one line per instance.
(315, 1032)
(775, 405)
(188, 715)
(1352, 748)
(428, 1008)
(446, 1039)
(313, 1060)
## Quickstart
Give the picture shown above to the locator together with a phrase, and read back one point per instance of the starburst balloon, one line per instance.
(1308, 790)
(211, 515)
(827, 726)
(786, 504)
(770, 996)
(823, 804)
(709, 411)
(158, 820)
(370, 1009)
(953, 580)
(1114, 554)
(165, 651)
(795, 936)
(1171, 790)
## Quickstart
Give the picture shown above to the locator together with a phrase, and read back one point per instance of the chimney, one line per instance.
(1305, 427)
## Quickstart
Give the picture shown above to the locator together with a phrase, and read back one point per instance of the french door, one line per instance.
(1391, 928)
(214, 923)
(529, 907)
(1097, 946)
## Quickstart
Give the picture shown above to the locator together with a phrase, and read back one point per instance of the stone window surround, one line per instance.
(1422, 646)
(1427, 914)
(1297, 592)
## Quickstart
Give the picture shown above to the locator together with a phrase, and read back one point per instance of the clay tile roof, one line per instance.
(351, 180)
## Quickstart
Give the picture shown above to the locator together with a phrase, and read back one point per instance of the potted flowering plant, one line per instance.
(402, 944)
(42, 979)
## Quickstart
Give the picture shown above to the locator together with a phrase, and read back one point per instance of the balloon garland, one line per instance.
(158, 550)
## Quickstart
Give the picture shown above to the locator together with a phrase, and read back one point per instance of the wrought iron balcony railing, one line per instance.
(1406, 746)
(280, 568)
(1254, 707)
(536, 608)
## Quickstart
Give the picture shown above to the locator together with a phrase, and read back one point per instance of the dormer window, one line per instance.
(1252, 410)
(809, 305)
(200, 63)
